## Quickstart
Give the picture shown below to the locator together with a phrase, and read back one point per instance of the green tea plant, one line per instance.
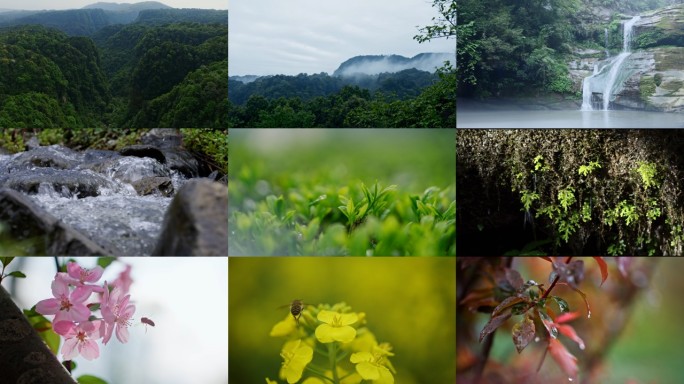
(347, 220)
(331, 344)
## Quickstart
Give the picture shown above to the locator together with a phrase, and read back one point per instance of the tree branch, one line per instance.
(24, 357)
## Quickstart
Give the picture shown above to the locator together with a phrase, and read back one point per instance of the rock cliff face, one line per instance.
(654, 72)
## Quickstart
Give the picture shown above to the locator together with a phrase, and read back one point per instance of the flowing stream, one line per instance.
(611, 76)
(93, 192)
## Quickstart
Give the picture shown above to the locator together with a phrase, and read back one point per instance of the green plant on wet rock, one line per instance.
(211, 142)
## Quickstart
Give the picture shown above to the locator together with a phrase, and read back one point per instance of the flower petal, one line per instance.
(368, 371)
(69, 350)
(48, 307)
(344, 334)
(89, 350)
(324, 333)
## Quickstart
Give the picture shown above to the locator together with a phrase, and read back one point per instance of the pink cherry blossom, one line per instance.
(80, 339)
(117, 313)
(124, 280)
(65, 306)
(80, 276)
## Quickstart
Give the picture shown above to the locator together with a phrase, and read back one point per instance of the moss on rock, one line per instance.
(587, 191)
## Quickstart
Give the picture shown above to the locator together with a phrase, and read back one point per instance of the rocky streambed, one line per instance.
(146, 199)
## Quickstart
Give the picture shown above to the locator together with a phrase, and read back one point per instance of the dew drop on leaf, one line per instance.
(569, 378)
(536, 339)
(589, 315)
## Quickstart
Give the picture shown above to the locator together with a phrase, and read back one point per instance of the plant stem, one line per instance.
(332, 357)
(554, 282)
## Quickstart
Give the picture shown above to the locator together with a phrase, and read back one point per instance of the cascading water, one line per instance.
(605, 32)
(95, 197)
(607, 79)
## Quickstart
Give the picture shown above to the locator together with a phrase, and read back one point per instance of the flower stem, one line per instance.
(318, 373)
(332, 357)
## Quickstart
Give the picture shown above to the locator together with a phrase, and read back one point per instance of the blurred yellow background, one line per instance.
(409, 302)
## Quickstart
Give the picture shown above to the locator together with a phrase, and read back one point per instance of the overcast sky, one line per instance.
(312, 36)
(71, 4)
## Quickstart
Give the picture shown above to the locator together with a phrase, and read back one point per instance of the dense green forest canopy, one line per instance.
(400, 85)
(89, 20)
(139, 75)
(317, 103)
(519, 47)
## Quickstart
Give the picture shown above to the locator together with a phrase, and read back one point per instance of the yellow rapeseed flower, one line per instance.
(296, 356)
(336, 327)
(372, 367)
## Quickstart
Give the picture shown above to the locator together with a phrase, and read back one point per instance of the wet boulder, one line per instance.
(77, 183)
(183, 162)
(129, 169)
(144, 151)
(196, 222)
(154, 185)
(42, 233)
(54, 156)
(163, 138)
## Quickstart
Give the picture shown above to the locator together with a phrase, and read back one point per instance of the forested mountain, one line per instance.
(92, 18)
(49, 79)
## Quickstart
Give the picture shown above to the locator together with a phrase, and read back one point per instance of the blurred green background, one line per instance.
(414, 159)
(409, 302)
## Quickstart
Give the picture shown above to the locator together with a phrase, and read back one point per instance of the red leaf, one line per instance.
(604, 268)
(566, 317)
(566, 360)
(569, 331)
(494, 323)
(523, 333)
(514, 278)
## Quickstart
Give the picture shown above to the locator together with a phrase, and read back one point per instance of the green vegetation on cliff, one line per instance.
(514, 48)
(127, 75)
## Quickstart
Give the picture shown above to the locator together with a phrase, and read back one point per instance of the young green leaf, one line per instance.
(562, 304)
(6, 260)
(88, 379)
(17, 274)
(105, 262)
(523, 332)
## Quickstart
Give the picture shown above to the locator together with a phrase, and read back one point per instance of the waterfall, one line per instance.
(605, 32)
(608, 83)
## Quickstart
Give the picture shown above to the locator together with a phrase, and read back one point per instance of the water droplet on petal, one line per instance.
(582, 346)
(569, 378)
(536, 339)
(589, 315)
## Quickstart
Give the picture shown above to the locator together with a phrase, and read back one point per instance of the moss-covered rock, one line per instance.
(584, 192)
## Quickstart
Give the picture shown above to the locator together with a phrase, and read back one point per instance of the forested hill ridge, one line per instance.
(514, 49)
(394, 76)
(92, 18)
(375, 64)
(133, 75)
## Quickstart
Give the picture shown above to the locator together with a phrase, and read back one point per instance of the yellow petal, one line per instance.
(284, 328)
(368, 371)
(361, 357)
(331, 317)
(343, 334)
(385, 376)
(323, 333)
